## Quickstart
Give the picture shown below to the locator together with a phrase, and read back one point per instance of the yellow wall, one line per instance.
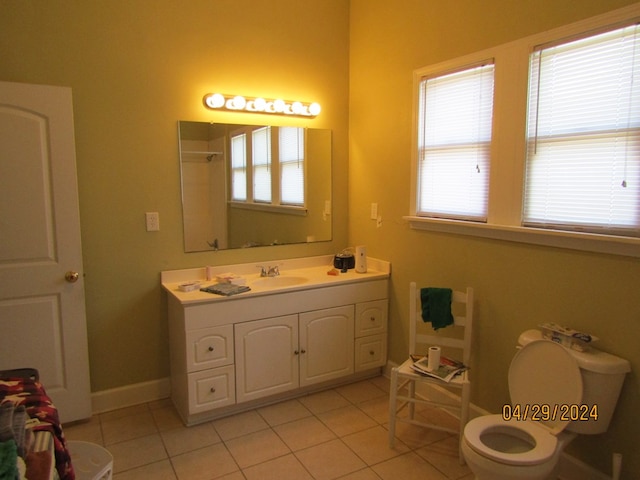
(138, 67)
(517, 286)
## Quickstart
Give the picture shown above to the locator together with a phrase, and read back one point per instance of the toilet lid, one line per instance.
(544, 448)
(544, 381)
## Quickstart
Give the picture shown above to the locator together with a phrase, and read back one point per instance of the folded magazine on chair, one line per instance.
(448, 368)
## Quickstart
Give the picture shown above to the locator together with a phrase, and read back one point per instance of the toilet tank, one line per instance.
(602, 378)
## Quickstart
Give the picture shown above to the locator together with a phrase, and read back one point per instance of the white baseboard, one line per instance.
(570, 467)
(129, 395)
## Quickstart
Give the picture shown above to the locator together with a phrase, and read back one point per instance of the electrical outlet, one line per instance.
(153, 221)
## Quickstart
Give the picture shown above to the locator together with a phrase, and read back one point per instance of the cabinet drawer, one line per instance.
(211, 389)
(209, 348)
(371, 318)
(371, 352)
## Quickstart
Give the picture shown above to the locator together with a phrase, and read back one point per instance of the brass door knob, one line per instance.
(71, 277)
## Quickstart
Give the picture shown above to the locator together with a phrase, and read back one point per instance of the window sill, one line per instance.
(588, 242)
(265, 207)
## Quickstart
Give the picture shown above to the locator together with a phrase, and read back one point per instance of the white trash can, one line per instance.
(90, 461)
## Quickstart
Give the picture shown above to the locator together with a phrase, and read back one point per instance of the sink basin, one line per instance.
(279, 281)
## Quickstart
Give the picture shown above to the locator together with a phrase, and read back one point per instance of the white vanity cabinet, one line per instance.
(230, 354)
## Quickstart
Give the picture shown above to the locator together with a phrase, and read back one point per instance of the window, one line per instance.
(583, 155)
(564, 142)
(454, 136)
(261, 147)
(239, 167)
(292, 165)
(256, 181)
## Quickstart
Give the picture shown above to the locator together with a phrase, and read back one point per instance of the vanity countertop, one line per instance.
(295, 274)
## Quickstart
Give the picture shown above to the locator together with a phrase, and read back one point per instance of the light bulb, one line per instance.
(279, 105)
(239, 102)
(259, 104)
(314, 108)
(215, 101)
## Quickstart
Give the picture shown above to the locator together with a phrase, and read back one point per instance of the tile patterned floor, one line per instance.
(335, 434)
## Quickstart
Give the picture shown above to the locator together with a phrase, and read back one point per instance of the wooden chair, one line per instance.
(404, 376)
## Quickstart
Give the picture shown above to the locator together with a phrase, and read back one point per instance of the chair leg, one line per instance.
(393, 392)
(412, 395)
(464, 417)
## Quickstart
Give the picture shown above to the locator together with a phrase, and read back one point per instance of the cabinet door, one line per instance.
(326, 344)
(266, 357)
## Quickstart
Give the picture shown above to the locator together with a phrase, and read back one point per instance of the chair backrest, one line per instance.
(441, 339)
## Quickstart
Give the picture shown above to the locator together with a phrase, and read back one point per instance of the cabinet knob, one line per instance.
(210, 349)
(371, 352)
(296, 352)
(303, 351)
(373, 318)
(212, 389)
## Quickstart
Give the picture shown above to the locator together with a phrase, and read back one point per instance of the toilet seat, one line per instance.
(544, 447)
(541, 373)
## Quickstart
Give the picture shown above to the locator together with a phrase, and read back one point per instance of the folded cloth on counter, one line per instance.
(226, 289)
(436, 306)
(231, 278)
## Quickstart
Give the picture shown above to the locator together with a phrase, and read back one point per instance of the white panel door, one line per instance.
(42, 310)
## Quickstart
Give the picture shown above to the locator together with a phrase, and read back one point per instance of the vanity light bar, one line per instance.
(238, 103)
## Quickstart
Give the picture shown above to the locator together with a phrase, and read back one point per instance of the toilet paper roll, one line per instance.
(434, 358)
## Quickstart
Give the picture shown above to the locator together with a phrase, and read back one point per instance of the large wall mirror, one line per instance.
(254, 185)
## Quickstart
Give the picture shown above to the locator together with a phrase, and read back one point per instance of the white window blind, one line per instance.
(583, 153)
(239, 167)
(261, 157)
(291, 147)
(454, 135)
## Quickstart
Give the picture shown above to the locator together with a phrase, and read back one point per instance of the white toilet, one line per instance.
(583, 385)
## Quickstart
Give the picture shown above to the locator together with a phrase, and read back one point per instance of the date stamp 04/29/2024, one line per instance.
(550, 413)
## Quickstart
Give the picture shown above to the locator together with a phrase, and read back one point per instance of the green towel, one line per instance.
(8, 459)
(436, 306)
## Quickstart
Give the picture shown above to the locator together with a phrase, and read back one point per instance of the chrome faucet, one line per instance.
(273, 271)
(269, 271)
